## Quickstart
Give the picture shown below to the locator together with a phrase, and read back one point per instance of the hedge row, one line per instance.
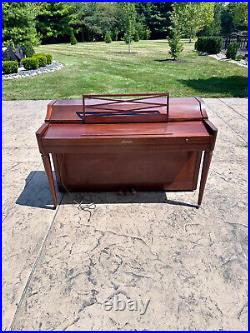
(37, 60)
(34, 62)
(210, 45)
(30, 63)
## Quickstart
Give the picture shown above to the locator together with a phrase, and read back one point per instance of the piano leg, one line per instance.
(206, 163)
(48, 170)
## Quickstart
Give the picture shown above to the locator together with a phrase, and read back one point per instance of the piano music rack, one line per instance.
(125, 105)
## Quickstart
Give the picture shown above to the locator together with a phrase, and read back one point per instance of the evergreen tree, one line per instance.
(54, 21)
(156, 17)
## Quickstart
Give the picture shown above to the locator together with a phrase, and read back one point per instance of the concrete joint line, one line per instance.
(230, 107)
(34, 266)
(231, 128)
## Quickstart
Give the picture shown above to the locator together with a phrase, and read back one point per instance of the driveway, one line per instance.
(136, 260)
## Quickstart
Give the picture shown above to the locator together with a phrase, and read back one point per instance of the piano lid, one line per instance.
(135, 108)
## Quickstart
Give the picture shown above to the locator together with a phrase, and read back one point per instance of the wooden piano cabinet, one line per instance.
(96, 152)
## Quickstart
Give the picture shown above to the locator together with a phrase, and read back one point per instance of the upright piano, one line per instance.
(116, 142)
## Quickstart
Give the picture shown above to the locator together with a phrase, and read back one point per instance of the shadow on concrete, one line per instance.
(36, 191)
(36, 194)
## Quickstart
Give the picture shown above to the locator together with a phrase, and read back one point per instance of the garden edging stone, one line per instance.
(54, 66)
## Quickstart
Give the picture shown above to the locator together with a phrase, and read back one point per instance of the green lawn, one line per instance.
(108, 68)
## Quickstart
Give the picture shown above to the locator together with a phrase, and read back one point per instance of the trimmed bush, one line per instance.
(49, 58)
(211, 45)
(28, 50)
(239, 57)
(9, 67)
(214, 45)
(42, 59)
(47, 55)
(232, 51)
(201, 44)
(30, 63)
(107, 38)
(73, 40)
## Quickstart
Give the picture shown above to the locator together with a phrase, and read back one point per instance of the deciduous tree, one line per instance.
(19, 23)
(239, 12)
(193, 16)
(129, 21)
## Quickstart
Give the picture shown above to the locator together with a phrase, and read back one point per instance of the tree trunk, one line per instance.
(190, 39)
(129, 47)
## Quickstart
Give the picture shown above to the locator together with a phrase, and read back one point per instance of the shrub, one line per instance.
(47, 55)
(28, 50)
(107, 38)
(49, 58)
(9, 67)
(127, 38)
(30, 63)
(7, 43)
(211, 45)
(232, 51)
(214, 45)
(201, 44)
(239, 57)
(136, 37)
(73, 40)
(42, 59)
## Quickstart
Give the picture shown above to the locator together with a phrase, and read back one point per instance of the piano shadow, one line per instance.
(36, 193)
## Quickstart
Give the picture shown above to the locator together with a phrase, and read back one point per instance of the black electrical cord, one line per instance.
(80, 204)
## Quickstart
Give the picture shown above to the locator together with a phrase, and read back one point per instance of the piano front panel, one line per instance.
(148, 168)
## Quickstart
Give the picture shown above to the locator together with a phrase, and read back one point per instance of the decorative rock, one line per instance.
(54, 66)
(222, 57)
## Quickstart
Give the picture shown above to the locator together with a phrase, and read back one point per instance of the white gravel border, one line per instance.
(222, 57)
(54, 66)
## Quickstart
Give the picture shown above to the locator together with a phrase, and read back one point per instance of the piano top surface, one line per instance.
(180, 109)
(186, 119)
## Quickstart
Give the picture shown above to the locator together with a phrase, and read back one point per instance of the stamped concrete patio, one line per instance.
(59, 266)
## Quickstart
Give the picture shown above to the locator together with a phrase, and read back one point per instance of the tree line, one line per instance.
(54, 22)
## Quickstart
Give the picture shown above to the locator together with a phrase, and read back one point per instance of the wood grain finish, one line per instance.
(180, 109)
(113, 155)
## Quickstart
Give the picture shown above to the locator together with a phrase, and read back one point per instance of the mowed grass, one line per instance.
(108, 68)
